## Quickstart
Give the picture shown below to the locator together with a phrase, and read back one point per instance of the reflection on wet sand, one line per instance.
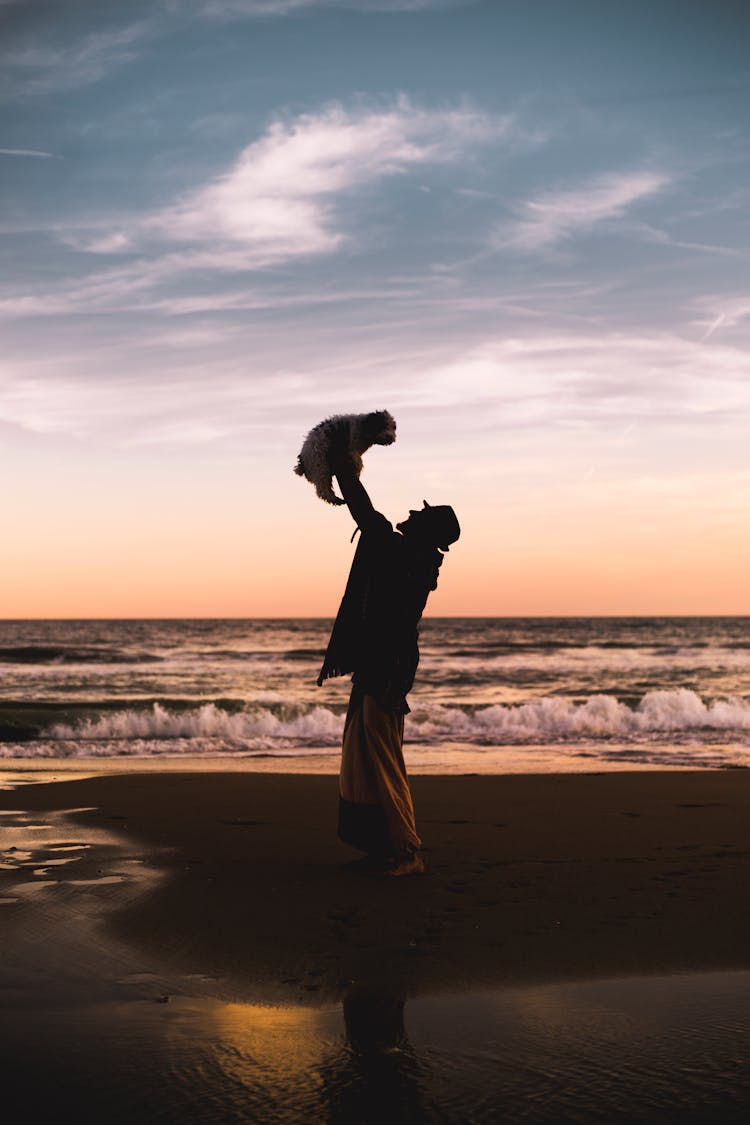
(378, 1074)
(645, 1050)
(294, 1064)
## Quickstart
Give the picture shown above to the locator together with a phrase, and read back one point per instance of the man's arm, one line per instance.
(354, 492)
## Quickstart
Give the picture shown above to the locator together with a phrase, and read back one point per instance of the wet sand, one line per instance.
(185, 946)
(529, 879)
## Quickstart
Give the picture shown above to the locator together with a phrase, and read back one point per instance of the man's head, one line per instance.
(436, 525)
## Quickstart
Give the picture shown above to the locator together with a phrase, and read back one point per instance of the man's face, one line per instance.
(413, 521)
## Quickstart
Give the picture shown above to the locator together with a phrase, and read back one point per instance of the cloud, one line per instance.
(254, 9)
(604, 380)
(278, 199)
(647, 232)
(282, 199)
(27, 152)
(128, 289)
(263, 380)
(52, 69)
(722, 312)
(169, 400)
(106, 244)
(552, 217)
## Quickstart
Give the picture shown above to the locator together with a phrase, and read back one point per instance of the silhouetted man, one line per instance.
(375, 638)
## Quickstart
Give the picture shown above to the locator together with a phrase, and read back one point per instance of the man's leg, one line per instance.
(373, 773)
(362, 821)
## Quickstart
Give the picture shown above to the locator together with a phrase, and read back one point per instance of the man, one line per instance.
(375, 638)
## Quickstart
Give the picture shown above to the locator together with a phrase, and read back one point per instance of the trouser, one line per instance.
(376, 812)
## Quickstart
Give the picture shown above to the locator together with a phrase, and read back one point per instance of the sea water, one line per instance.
(491, 693)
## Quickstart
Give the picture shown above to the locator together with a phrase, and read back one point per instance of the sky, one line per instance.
(521, 226)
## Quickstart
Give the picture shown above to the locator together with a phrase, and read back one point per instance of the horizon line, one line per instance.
(426, 617)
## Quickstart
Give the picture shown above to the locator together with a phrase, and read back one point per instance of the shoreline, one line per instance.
(437, 760)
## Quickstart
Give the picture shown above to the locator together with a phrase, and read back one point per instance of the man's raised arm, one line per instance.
(354, 492)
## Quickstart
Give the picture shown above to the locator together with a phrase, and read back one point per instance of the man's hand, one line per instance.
(342, 464)
(353, 491)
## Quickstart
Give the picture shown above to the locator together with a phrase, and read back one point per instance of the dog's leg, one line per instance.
(324, 489)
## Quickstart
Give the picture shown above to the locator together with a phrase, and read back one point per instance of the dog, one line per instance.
(350, 434)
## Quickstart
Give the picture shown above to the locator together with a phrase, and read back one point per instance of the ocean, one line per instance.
(492, 694)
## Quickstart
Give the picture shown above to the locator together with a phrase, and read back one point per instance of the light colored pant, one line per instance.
(373, 770)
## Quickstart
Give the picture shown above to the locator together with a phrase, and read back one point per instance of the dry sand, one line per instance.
(528, 878)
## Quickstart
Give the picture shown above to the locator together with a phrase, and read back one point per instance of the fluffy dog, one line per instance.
(348, 434)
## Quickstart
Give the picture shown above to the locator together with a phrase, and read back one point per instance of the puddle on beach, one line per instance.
(30, 846)
(658, 1049)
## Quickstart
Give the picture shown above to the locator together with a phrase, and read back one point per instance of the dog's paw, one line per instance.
(324, 490)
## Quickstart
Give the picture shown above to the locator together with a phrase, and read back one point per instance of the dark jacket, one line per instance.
(375, 635)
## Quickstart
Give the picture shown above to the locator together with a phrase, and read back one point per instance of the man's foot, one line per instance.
(405, 865)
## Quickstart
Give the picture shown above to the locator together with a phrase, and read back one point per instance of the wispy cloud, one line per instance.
(254, 9)
(129, 289)
(47, 69)
(278, 199)
(566, 378)
(282, 199)
(27, 152)
(647, 232)
(718, 312)
(553, 217)
(157, 388)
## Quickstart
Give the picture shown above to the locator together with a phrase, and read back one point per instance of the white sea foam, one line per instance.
(206, 721)
(600, 716)
(551, 718)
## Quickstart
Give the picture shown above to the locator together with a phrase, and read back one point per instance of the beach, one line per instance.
(528, 877)
(231, 888)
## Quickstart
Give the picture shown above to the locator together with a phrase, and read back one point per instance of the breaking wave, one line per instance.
(207, 721)
(678, 716)
(556, 719)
